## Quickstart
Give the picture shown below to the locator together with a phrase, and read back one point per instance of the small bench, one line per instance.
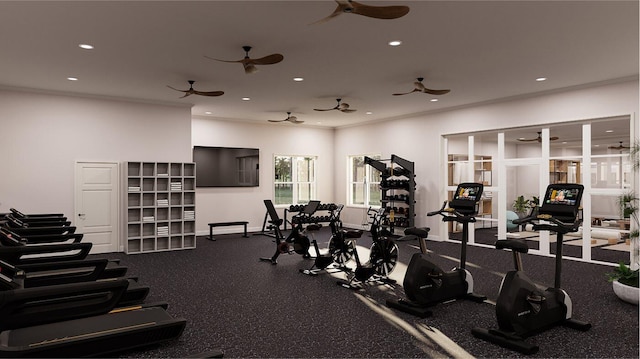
(227, 224)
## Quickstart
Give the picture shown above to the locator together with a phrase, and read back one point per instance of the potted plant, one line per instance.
(520, 205)
(625, 283)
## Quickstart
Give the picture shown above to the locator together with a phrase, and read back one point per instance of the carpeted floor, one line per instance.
(252, 309)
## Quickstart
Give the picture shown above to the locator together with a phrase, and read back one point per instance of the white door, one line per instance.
(96, 205)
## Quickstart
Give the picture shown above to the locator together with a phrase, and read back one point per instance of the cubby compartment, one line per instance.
(162, 169)
(133, 215)
(176, 213)
(148, 184)
(176, 169)
(162, 243)
(189, 170)
(148, 169)
(134, 200)
(162, 184)
(148, 199)
(133, 169)
(176, 242)
(133, 230)
(189, 184)
(148, 244)
(148, 215)
(162, 214)
(134, 246)
(189, 228)
(176, 199)
(189, 198)
(189, 241)
(155, 215)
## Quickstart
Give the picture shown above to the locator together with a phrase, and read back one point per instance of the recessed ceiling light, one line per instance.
(246, 98)
(72, 78)
(298, 79)
(395, 43)
(86, 46)
(596, 145)
(564, 142)
(608, 131)
(369, 113)
(434, 100)
(540, 79)
(208, 113)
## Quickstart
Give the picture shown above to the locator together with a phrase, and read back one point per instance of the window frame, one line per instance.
(365, 184)
(295, 183)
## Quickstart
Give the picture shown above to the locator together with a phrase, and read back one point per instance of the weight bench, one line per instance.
(227, 224)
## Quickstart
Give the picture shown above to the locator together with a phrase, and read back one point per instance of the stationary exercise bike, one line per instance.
(341, 246)
(523, 309)
(296, 241)
(383, 256)
(425, 284)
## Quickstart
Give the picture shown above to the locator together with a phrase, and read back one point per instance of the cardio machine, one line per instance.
(522, 308)
(297, 241)
(425, 284)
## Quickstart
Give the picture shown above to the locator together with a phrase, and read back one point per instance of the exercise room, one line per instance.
(320, 179)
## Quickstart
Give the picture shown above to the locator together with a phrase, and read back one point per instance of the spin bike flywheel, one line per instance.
(384, 256)
(340, 250)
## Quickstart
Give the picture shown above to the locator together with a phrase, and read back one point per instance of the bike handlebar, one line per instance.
(448, 212)
(572, 227)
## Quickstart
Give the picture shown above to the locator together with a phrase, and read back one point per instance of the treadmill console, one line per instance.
(562, 201)
(465, 199)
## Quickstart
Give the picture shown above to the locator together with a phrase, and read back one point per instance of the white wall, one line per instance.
(44, 134)
(246, 203)
(418, 139)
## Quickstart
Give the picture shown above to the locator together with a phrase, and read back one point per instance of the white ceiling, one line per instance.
(481, 50)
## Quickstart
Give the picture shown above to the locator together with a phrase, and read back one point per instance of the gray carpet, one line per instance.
(249, 308)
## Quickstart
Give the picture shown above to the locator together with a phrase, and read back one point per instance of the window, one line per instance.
(295, 179)
(364, 183)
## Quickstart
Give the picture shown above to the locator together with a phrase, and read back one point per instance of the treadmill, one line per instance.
(76, 319)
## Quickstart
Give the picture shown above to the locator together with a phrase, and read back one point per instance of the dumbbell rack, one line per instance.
(329, 207)
(398, 187)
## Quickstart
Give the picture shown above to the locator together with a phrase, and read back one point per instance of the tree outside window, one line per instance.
(295, 179)
(364, 182)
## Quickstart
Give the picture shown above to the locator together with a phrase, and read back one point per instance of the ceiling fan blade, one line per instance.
(527, 139)
(211, 58)
(267, 60)
(209, 93)
(435, 92)
(324, 109)
(277, 120)
(348, 110)
(339, 10)
(553, 138)
(186, 92)
(406, 93)
(378, 12)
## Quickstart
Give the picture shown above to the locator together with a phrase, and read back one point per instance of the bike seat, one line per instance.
(314, 227)
(421, 232)
(354, 233)
(516, 245)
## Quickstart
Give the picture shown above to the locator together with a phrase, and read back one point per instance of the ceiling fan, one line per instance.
(539, 138)
(377, 12)
(620, 147)
(249, 64)
(419, 87)
(292, 119)
(191, 91)
(343, 107)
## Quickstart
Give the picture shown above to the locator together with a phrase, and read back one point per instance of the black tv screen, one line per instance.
(226, 166)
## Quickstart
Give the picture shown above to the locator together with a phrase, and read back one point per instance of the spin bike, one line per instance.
(383, 256)
(523, 309)
(297, 241)
(341, 246)
(425, 284)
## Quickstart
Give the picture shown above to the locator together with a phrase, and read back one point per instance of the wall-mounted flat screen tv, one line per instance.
(226, 166)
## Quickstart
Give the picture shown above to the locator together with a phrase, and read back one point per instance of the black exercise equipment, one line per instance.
(297, 241)
(383, 256)
(522, 309)
(19, 214)
(23, 228)
(426, 284)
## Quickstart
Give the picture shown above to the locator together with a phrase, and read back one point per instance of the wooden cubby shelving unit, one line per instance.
(160, 204)
(398, 187)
